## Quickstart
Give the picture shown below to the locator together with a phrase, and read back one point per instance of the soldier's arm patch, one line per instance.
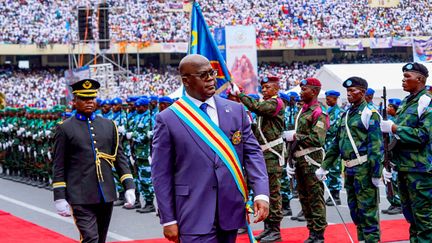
(320, 124)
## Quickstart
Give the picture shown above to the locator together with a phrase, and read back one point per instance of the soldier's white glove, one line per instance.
(42, 151)
(47, 133)
(376, 181)
(321, 174)
(49, 155)
(28, 149)
(290, 171)
(289, 135)
(149, 160)
(19, 133)
(34, 154)
(62, 207)
(130, 198)
(34, 136)
(386, 126)
(10, 126)
(149, 134)
(28, 134)
(387, 176)
(129, 135)
(234, 89)
(121, 129)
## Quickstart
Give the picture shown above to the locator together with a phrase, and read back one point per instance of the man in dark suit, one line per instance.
(198, 198)
(86, 150)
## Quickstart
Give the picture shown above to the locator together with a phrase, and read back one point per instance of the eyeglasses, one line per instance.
(204, 75)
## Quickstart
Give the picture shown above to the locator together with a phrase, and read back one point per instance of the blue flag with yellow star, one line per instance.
(202, 42)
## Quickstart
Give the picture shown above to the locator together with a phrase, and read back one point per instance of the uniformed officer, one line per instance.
(358, 142)
(369, 95)
(309, 132)
(106, 109)
(270, 125)
(334, 178)
(86, 149)
(165, 102)
(413, 151)
(394, 199)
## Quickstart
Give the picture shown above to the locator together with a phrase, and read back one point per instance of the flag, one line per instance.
(202, 42)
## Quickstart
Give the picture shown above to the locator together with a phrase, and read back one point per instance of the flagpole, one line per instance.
(190, 26)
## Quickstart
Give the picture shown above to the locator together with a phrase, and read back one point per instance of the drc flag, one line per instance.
(202, 42)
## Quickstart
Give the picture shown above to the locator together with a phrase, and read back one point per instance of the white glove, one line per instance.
(40, 133)
(289, 135)
(34, 136)
(28, 149)
(387, 176)
(10, 126)
(19, 133)
(386, 126)
(42, 151)
(121, 129)
(321, 174)
(28, 134)
(47, 133)
(62, 207)
(149, 159)
(234, 89)
(22, 129)
(130, 198)
(149, 134)
(132, 160)
(376, 181)
(129, 135)
(35, 154)
(49, 155)
(290, 171)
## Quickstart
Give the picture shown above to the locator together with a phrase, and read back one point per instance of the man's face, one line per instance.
(355, 94)
(199, 80)
(153, 103)
(116, 107)
(307, 93)
(391, 110)
(163, 106)
(331, 100)
(411, 81)
(369, 98)
(269, 90)
(141, 109)
(106, 108)
(131, 107)
(85, 105)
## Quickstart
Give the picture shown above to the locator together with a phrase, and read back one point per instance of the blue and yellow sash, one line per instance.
(214, 137)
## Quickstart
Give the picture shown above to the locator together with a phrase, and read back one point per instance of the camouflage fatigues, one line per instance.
(310, 134)
(361, 193)
(412, 156)
(334, 178)
(272, 126)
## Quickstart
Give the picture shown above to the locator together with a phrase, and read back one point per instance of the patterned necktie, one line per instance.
(203, 107)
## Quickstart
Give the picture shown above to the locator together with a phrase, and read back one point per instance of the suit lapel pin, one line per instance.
(236, 138)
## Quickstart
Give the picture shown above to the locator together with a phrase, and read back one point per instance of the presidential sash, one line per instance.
(216, 139)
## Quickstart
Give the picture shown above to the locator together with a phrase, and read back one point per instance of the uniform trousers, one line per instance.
(92, 221)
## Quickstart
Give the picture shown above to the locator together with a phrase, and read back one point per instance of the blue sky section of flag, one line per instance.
(202, 42)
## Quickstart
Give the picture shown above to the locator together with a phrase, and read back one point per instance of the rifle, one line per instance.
(387, 163)
(290, 146)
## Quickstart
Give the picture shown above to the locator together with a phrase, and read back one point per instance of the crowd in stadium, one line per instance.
(46, 87)
(156, 21)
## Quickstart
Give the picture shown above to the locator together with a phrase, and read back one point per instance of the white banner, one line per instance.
(241, 56)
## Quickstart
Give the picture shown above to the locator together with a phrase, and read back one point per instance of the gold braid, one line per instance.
(107, 157)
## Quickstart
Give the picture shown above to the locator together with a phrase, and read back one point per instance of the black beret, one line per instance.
(416, 68)
(355, 82)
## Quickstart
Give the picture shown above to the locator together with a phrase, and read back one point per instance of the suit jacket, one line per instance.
(192, 184)
(76, 141)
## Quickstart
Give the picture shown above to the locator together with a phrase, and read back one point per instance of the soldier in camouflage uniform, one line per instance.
(358, 142)
(309, 133)
(270, 125)
(164, 102)
(334, 178)
(141, 153)
(106, 109)
(394, 200)
(412, 154)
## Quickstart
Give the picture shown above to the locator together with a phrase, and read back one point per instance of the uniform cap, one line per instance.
(85, 88)
(370, 91)
(116, 101)
(310, 82)
(270, 79)
(395, 102)
(332, 93)
(142, 101)
(416, 68)
(166, 99)
(355, 82)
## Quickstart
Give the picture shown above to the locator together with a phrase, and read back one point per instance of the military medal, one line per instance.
(236, 138)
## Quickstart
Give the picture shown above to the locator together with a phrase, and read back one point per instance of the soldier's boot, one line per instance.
(148, 208)
(300, 217)
(336, 197)
(121, 200)
(395, 210)
(311, 238)
(385, 211)
(264, 233)
(286, 209)
(274, 234)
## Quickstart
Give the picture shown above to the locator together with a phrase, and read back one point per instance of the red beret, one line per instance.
(270, 79)
(310, 82)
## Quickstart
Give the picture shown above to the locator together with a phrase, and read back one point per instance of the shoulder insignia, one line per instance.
(60, 122)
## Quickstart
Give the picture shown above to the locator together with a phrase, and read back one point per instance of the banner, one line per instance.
(422, 50)
(202, 42)
(402, 41)
(355, 45)
(381, 43)
(219, 36)
(174, 47)
(241, 54)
